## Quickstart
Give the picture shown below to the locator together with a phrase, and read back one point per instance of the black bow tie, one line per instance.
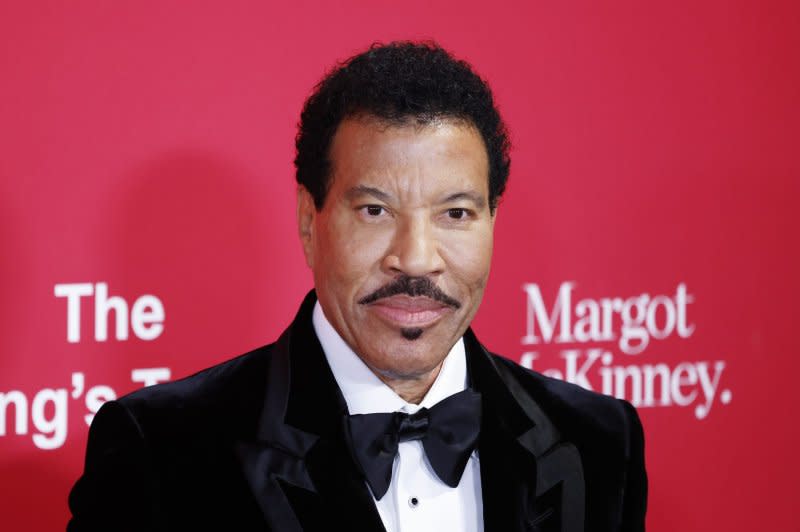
(448, 431)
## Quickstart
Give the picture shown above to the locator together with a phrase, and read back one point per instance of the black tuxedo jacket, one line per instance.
(256, 443)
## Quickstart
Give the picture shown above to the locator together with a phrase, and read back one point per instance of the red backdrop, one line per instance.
(647, 245)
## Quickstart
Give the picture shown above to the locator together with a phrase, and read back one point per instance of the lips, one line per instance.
(405, 311)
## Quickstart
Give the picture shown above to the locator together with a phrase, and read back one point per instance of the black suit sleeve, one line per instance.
(634, 504)
(116, 491)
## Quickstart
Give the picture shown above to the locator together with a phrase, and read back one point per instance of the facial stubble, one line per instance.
(412, 333)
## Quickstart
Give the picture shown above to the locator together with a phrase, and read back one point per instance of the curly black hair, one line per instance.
(398, 82)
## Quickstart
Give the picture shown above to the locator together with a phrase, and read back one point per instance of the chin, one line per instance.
(408, 359)
(410, 372)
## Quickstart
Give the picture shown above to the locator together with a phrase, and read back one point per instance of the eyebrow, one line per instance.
(364, 190)
(478, 200)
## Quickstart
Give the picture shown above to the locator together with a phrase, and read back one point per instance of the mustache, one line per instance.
(411, 286)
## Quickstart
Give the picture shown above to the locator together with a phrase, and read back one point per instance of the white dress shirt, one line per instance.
(417, 499)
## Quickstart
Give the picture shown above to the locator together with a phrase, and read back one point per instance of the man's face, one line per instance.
(401, 249)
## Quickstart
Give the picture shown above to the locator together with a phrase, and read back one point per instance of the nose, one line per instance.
(414, 250)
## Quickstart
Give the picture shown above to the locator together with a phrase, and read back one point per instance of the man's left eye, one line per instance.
(373, 210)
(457, 214)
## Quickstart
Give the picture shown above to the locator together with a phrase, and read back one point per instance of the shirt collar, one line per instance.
(364, 392)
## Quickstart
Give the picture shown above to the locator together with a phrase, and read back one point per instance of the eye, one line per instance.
(373, 210)
(457, 213)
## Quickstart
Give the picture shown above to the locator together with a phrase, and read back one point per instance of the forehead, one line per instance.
(441, 153)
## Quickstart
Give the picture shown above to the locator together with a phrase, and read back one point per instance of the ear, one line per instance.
(306, 216)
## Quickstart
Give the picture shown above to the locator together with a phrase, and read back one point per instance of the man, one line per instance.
(377, 409)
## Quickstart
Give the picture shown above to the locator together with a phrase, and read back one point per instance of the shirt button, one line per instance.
(413, 502)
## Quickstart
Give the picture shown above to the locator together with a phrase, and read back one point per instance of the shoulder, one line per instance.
(607, 434)
(223, 381)
(580, 414)
(144, 448)
(225, 399)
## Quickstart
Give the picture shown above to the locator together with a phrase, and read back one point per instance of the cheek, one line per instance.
(349, 252)
(469, 258)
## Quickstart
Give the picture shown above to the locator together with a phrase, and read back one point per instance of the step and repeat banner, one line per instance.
(647, 246)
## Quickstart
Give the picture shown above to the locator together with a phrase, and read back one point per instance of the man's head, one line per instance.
(400, 83)
(401, 160)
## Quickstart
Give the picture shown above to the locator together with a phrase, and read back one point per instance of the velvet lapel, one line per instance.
(531, 480)
(300, 470)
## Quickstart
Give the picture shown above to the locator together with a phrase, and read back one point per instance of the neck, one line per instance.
(412, 389)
